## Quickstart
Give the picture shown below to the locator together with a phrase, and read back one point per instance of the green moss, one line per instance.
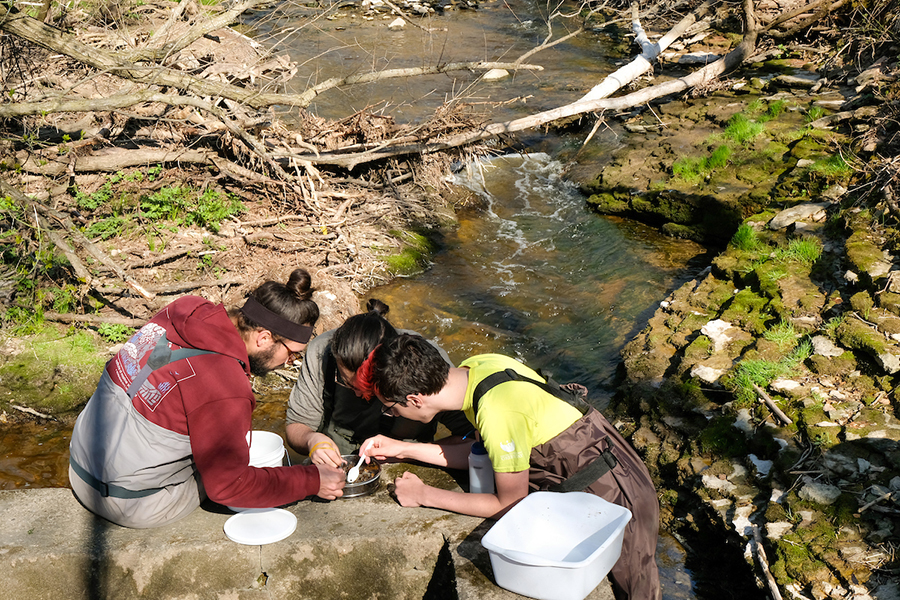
(862, 302)
(890, 302)
(608, 203)
(794, 560)
(856, 335)
(862, 252)
(55, 373)
(721, 438)
(833, 366)
(413, 256)
(749, 311)
(698, 350)
(775, 512)
(683, 232)
(690, 394)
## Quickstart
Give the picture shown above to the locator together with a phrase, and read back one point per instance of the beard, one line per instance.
(261, 363)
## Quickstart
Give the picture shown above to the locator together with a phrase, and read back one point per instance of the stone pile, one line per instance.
(767, 389)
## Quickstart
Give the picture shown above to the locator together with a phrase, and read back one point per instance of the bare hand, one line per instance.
(408, 489)
(382, 447)
(331, 482)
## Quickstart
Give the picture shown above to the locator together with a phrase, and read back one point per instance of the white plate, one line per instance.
(258, 526)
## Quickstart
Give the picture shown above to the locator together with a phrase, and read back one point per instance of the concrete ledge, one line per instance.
(368, 547)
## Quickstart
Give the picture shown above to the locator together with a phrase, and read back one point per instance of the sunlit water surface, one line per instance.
(536, 275)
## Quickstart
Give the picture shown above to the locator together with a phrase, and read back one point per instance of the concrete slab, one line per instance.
(357, 548)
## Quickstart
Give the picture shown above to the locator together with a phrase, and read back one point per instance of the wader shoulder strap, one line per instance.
(570, 394)
(590, 473)
(551, 387)
(160, 357)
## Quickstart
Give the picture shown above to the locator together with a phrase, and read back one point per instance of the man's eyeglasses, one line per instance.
(292, 354)
(387, 409)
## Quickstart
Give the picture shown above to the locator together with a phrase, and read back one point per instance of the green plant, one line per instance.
(689, 168)
(814, 112)
(803, 250)
(741, 129)
(94, 200)
(762, 372)
(746, 238)
(65, 299)
(830, 327)
(692, 169)
(718, 158)
(114, 332)
(184, 206)
(775, 109)
(783, 334)
(833, 168)
(106, 228)
(212, 208)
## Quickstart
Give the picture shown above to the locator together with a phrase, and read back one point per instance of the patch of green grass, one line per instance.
(762, 372)
(741, 129)
(746, 238)
(832, 169)
(692, 169)
(689, 168)
(814, 112)
(755, 107)
(830, 327)
(718, 158)
(775, 109)
(805, 251)
(783, 334)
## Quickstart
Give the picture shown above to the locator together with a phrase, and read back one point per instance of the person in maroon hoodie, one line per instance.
(168, 424)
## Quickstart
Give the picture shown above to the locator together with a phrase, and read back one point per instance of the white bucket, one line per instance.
(266, 449)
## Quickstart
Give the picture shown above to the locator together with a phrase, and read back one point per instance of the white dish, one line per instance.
(257, 526)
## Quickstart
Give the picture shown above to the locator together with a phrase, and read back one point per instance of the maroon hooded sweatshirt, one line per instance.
(205, 400)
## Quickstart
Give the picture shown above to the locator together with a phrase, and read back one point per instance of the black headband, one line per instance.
(274, 322)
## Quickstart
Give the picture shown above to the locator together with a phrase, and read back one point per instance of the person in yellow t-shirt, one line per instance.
(535, 437)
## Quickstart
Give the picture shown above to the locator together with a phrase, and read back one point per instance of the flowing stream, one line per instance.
(537, 275)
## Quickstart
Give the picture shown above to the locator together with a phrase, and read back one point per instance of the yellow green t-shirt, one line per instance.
(515, 416)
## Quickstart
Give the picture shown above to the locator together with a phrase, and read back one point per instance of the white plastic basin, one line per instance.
(556, 546)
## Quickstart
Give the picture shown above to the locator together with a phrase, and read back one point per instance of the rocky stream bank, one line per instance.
(764, 393)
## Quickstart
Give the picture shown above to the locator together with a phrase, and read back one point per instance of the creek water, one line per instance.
(533, 272)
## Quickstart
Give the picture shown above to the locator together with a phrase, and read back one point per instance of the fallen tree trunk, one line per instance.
(704, 75)
(649, 51)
